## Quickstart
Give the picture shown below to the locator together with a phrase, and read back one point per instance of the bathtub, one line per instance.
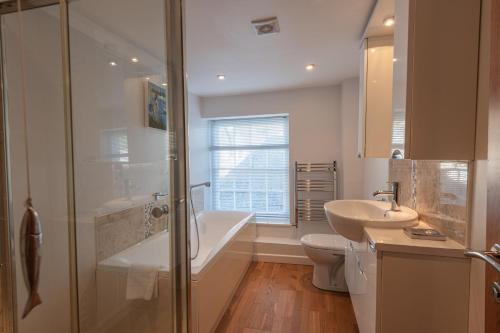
(226, 250)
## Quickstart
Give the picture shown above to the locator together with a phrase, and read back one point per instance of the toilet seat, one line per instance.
(333, 243)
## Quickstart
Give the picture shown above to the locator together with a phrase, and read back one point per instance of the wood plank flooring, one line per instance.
(281, 298)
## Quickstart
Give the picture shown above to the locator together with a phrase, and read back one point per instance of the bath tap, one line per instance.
(393, 193)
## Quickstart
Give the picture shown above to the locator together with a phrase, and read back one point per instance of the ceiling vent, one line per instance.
(266, 26)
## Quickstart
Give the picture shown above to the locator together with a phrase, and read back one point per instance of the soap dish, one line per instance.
(424, 233)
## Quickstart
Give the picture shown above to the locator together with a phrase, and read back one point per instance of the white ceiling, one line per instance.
(375, 26)
(220, 39)
(140, 23)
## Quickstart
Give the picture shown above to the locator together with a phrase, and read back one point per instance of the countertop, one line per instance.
(395, 240)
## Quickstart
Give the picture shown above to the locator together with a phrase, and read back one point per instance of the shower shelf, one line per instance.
(315, 184)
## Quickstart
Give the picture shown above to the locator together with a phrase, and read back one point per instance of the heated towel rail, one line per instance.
(315, 184)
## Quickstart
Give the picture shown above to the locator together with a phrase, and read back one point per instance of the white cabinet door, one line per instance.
(421, 293)
(369, 264)
(361, 272)
(436, 47)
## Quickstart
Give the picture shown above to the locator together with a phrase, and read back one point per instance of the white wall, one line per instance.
(376, 175)
(314, 122)
(323, 127)
(359, 178)
(314, 117)
(199, 159)
(352, 172)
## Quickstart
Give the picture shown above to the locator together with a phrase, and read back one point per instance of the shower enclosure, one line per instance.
(92, 114)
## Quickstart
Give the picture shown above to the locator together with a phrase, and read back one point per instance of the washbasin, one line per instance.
(349, 217)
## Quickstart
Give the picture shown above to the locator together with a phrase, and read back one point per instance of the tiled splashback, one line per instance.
(119, 230)
(438, 191)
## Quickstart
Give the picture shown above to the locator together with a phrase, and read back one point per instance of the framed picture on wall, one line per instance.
(156, 106)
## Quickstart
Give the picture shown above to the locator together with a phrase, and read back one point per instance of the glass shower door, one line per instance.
(34, 130)
(126, 169)
(107, 167)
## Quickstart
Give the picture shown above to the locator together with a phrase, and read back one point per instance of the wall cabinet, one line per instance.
(402, 292)
(437, 47)
(433, 90)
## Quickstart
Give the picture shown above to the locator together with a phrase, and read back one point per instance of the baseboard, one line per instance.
(282, 258)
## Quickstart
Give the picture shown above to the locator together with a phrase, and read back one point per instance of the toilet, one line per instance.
(328, 253)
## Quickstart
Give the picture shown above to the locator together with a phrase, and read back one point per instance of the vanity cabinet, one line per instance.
(436, 47)
(395, 292)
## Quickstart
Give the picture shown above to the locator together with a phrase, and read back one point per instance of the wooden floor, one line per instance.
(281, 298)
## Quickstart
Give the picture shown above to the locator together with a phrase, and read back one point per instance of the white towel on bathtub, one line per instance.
(142, 282)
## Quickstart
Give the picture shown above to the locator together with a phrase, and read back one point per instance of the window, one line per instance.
(249, 168)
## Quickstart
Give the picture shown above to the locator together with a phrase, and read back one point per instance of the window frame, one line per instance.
(261, 217)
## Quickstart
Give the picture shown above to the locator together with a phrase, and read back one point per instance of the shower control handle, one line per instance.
(158, 212)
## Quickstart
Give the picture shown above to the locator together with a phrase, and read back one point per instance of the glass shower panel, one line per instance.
(121, 157)
(105, 132)
(39, 57)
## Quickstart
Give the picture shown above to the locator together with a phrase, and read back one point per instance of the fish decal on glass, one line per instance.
(31, 243)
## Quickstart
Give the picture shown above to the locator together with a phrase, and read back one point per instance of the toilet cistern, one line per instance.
(393, 194)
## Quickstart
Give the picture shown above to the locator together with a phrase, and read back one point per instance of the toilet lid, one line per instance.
(324, 241)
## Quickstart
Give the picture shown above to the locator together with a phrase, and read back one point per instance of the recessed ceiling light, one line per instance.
(134, 59)
(394, 59)
(310, 67)
(147, 79)
(164, 84)
(112, 63)
(221, 77)
(389, 21)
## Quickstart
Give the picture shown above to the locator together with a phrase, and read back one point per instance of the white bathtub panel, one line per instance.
(214, 287)
(118, 315)
(226, 250)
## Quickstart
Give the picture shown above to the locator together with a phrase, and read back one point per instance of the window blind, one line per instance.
(398, 129)
(249, 165)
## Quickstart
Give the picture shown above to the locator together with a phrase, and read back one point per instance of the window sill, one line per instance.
(271, 221)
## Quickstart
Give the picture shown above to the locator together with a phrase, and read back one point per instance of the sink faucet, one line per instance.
(393, 193)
